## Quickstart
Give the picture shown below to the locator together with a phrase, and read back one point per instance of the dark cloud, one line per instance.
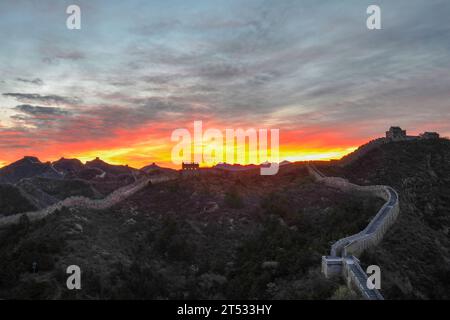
(161, 78)
(70, 55)
(96, 122)
(54, 55)
(40, 118)
(221, 70)
(40, 111)
(35, 81)
(48, 99)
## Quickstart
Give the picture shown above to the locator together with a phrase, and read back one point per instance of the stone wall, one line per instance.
(343, 253)
(83, 202)
(356, 279)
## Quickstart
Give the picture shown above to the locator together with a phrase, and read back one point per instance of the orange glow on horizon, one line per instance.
(310, 155)
(152, 143)
(136, 156)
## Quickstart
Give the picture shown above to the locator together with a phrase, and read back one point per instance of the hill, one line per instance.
(200, 237)
(68, 165)
(109, 168)
(415, 254)
(155, 169)
(32, 184)
(241, 235)
(60, 189)
(13, 201)
(26, 168)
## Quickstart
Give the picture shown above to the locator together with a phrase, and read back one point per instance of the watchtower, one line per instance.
(396, 134)
(190, 168)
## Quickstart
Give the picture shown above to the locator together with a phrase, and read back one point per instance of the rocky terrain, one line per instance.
(226, 235)
(26, 168)
(29, 184)
(202, 237)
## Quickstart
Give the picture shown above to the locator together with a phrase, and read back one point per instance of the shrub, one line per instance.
(233, 200)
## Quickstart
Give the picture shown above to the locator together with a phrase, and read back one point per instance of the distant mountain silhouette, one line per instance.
(26, 168)
(68, 165)
(239, 167)
(235, 167)
(109, 168)
(30, 167)
(154, 168)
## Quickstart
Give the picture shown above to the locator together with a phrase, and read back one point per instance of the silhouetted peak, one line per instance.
(64, 160)
(31, 159)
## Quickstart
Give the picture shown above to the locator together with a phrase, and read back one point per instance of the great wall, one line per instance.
(83, 202)
(343, 259)
(344, 252)
(394, 134)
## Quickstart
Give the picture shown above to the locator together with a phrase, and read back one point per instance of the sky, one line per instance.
(138, 70)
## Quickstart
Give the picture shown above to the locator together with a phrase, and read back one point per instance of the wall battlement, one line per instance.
(344, 252)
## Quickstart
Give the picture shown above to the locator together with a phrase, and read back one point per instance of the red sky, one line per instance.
(118, 87)
(152, 143)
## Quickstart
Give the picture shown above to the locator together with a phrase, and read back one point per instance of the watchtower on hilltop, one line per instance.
(190, 166)
(396, 134)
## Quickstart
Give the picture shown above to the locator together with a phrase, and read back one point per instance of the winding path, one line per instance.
(83, 202)
(342, 259)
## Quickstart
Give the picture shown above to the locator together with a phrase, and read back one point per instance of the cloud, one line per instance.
(54, 55)
(36, 81)
(49, 99)
(14, 138)
(302, 65)
(40, 111)
(38, 119)
(221, 71)
(70, 55)
(268, 58)
(96, 122)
